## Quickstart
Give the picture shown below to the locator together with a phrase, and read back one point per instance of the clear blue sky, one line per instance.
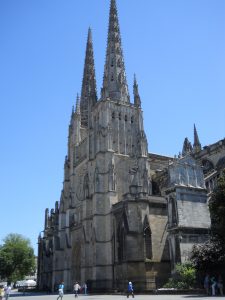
(175, 47)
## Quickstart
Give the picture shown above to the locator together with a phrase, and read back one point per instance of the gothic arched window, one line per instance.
(147, 240)
(121, 242)
(172, 212)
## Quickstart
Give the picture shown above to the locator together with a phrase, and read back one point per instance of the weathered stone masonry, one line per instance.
(124, 213)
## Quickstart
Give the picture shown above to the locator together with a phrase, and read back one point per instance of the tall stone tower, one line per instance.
(108, 227)
(106, 160)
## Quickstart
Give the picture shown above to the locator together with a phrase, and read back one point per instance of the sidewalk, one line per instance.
(37, 296)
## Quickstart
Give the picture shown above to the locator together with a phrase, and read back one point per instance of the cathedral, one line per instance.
(124, 213)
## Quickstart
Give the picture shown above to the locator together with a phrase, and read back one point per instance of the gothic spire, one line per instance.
(88, 91)
(137, 99)
(114, 79)
(77, 111)
(196, 146)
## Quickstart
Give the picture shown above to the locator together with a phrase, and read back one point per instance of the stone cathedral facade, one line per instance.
(124, 213)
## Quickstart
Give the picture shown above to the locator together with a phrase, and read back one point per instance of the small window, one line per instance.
(113, 115)
(112, 78)
(112, 62)
(148, 242)
(125, 118)
(119, 116)
(132, 119)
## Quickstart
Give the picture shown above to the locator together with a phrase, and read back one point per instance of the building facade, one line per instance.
(124, 213)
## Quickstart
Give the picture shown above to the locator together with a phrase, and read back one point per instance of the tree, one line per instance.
(217, 210)
(16, 258)
(184, 278)
(210, 256)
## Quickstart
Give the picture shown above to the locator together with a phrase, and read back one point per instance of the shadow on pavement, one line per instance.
(197, 296)
(29, 294)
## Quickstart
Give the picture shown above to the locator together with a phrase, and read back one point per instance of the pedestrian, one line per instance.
(130, 289)
(220, 285)
(1, 292)
(85, 288)
(76, 289)
(61, 290)
(213, 285)
(7, 292)
(206, 284)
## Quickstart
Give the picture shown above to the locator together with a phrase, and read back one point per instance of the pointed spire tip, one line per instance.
(114, 79)
(89, 34)
(197, 144)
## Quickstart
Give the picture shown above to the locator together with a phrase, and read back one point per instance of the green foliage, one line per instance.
(184, 278)
(217, 210)
(210, 256)
(176, 284)
(16, 258)
(187, 273)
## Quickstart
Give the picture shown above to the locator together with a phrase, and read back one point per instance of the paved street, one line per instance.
(109, 297)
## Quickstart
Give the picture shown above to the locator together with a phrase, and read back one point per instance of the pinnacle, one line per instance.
(187, 147)
(89, 35)
(88, 91)
(196, 139)
(78, 105)
(114, 79)
(135, 79)
(197, 145)
(137, 99)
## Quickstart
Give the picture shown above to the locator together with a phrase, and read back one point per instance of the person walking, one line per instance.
(7, 292)
(1, 292)
(213, 285)
(130, 289)
(76, 288)
(220, 285)
(206, 284)
(85, 288)
(61, 290)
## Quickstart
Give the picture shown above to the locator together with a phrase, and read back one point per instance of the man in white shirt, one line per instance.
(7, 292)
(76, 288)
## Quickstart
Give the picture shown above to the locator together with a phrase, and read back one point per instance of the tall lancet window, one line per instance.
(172, 212)
(121, 240)
(147, 240)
